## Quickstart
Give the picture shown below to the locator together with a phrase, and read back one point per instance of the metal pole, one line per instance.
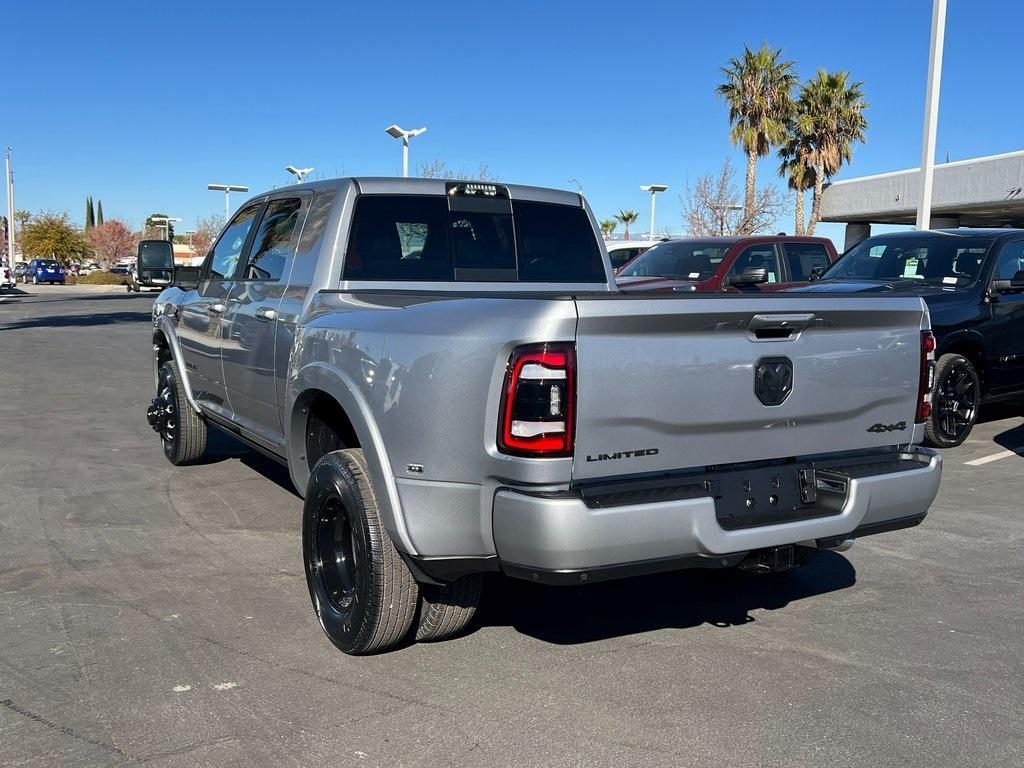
(650, 235)
(405, 156)
(10, 212)
(227, 204)
(931, 113)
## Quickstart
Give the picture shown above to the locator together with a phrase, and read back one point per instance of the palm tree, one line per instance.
(758, 89)
(795, 166)
(607, 227)
(627, 217)
(830, 113)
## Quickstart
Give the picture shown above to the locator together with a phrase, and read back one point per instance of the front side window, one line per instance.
(932, 259)
(680, 260)
(1011, 261)
(225, 254)
(274, 242)
(758, 257)
(804, 259)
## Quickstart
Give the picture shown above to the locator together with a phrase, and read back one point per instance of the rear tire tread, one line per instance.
(447, 610)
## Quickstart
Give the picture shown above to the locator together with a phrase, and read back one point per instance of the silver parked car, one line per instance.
(457, 388)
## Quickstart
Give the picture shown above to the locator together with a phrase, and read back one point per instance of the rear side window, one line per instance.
(429, 238)
(804, 258)
(274, 242)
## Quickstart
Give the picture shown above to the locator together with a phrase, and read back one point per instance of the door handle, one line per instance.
(266, 314)
(216, 308)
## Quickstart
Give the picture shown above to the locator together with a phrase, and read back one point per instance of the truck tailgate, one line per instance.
(687, 382)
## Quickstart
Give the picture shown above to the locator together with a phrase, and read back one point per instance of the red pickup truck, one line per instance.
(749, 263)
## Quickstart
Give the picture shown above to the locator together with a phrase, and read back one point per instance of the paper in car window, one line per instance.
(949, 281)
(694, 275)
(771, 277)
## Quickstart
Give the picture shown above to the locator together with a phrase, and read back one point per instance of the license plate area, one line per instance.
(767, 495)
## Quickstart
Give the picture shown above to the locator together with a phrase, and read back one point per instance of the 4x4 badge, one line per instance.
(899, 426)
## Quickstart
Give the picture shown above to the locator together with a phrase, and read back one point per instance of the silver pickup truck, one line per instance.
(457, 388)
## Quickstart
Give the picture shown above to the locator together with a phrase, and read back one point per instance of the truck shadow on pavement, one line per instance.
(678, 600)
(221, 446)
(71, 321)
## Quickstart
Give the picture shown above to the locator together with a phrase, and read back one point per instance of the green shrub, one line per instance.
(101, 278)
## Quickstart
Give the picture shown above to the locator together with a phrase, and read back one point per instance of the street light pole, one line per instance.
(931, 113)
(227, 189)
(404, 135)
(167, 224)
(654, 189)
(9, 178)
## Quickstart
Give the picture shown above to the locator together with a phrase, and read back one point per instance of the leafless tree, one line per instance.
(714, 206)
(438, 169)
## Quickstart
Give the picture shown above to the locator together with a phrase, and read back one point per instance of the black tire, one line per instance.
(184, 433)
(955, 400)
(362, 591)
(445, 611)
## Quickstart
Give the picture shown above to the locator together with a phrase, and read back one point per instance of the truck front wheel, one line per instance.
(362, 591)
(182, 431)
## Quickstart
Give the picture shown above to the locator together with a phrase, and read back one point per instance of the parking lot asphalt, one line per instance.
(159, 616)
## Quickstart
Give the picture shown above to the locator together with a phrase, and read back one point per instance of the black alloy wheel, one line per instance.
(955, 401)
(182, 430)
(364, 595)
(336, 555)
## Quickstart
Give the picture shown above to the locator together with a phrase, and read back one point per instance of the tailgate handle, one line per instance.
(767, 327)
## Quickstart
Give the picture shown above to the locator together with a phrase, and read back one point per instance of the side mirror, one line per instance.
(155, 262)
(816, 274)
(749, 276)
(1015, 283)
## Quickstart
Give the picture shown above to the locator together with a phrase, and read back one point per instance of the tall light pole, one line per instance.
(299, 173)
(654, 189)
(9, 180)
(931, 113)
(167, 224)
(404, 135)
(227, 189)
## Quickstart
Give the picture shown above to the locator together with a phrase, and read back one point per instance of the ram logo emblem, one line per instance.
(773, 380)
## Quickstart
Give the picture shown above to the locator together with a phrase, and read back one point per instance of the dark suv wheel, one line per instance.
(955, 400)
(362, 591)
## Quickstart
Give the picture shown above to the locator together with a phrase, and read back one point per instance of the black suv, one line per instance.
(973, 283)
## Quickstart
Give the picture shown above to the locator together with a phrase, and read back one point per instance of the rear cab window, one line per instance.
(470, 238)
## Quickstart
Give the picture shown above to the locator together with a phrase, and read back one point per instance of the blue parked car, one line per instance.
(45, 271)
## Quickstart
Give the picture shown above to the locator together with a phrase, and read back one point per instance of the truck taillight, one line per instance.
(538, 401)
(924, 389)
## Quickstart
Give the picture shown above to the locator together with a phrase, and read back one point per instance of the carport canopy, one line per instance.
(980, 192)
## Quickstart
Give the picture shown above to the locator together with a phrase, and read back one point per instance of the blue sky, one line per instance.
(142, 111)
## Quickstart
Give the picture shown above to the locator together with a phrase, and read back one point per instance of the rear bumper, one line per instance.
(563, 540)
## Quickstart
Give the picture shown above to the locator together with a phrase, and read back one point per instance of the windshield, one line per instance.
(936, 259)
(678, 260)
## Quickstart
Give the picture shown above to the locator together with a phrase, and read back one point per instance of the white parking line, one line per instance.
(992, 457)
